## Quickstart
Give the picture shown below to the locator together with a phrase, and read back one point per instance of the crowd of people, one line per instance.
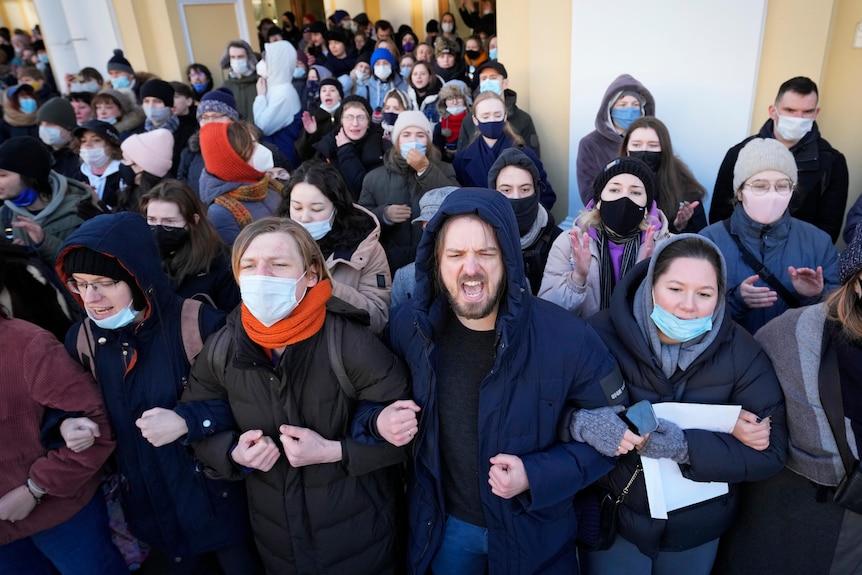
(316, 315)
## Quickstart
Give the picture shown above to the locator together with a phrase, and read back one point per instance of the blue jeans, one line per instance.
(464, 549)
(625, 557)
(81, 545)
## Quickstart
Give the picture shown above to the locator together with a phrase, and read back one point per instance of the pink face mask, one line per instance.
(765, 209)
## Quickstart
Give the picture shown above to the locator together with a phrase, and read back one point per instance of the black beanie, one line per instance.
(83, 260)
(158, 89)
(626, 165)
(118, 62)
(333, 82)
(26, 156)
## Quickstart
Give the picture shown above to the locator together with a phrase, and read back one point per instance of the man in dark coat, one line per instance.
(821, 194)
(492, 485)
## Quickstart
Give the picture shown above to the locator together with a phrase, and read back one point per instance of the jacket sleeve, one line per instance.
(369, 294)
(557, 284)
(369, 198)
(471, 19)
(55, 380)
(466, 133)
(437, 175)
(696, 223)
(224, 222)
(183, 167)
(268, 115)
(833, 197)
(722, 194)
(720, 456)
(351, 168)
(588, 166)
(378, 376)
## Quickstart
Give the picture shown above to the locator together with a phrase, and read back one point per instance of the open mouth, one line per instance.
(473, 290)
(101, 312)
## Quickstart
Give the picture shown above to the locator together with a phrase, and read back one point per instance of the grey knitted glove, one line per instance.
(667, 441)
(602, 428)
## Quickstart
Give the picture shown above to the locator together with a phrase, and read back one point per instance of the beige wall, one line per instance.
(153, 37)
(210, 28)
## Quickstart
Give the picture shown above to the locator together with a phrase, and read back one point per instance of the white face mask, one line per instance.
(382, 72)
(792, 128)
(157, 115)
(447, 27)
(318, 230)
(94, 157)
(261, 69)
(269, 299)
(766, 209)
(261, 160)
(90, 86)
(239, 67)
(51, 136)
(455, 110)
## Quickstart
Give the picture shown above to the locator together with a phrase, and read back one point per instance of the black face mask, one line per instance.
(526, 210)
(472, 54)
(127, 175)
(169, 239)
(651, 159)
(621, 216)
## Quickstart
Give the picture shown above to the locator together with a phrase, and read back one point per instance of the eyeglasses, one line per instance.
(762, 187)
(166, 227)
(102, 286)
(207, 117)
(360, 119)
(197, 75)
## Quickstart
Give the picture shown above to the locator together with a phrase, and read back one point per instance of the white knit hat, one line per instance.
(760, 155)
(410, 118)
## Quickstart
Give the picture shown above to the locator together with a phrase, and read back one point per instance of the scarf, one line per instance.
(171, 125)
(305, 321)
(451, 127)
(15, 117)
(615, 265)
(233, 200)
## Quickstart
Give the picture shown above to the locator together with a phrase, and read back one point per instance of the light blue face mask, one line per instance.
(407, 146)
(625, 116)
(492, 53)
(299, 73)
(679, 329)
(110, 121)
(157, 115)
(491, 86)
(318, 230)
(120, 82)
(28, 105)
(116, 321)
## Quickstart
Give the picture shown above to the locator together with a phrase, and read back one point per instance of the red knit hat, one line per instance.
(220, 159)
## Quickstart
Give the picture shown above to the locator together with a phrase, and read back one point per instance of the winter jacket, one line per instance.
(602, 145)
(521, 402)
(356, 159)
(278, 112)
(37, 374)
(168, 502)
(224, 221)
(559, 287)
(218, 285)
(244, 89)
(132, 117)
(66, 163)
(521, 122)
(788, 242)
(187, 128)
(105, 185)
(324, 518)
(822, 183)
(731, 370)
(58, 219)
(305, 143)
(360, 276)
(428, 106)
(395, 182)
(473, 163)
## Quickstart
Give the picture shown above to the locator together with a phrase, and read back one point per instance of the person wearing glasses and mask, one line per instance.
(774, 261)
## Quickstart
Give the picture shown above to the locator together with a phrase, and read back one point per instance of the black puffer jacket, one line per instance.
(324, 518)
(732, 370)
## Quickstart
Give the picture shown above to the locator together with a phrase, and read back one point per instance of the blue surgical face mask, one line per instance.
(318, 230)
(157, 115)
(25, 198)
(455, 110)
(43, 58)
(199, 88)
(110, 121)
(28, 105)
(116, 321)
(299, 73)
(491, 86)
(405, 72)
(120, 82)
(492, 53)
(623, 117)
(679, 329)
(407, 146)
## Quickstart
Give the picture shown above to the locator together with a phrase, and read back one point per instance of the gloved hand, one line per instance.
(602, 428)
(666, 442)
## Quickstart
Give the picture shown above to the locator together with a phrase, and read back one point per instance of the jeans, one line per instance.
(81, 545)
(625, 557)
(464, 549)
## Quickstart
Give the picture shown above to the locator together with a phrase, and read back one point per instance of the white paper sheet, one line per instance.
(666, 487)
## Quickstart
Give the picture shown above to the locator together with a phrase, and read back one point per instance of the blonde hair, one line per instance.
(312, 258)
(844, 306)
(507, 129)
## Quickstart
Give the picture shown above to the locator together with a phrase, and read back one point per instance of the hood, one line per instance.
(126, 237)
(131, 120)
(494, 208)
(212, 187)
(280, 62)
(64, 195)
(514, 157)
(622, 83)
(125, 97)
(249, 53)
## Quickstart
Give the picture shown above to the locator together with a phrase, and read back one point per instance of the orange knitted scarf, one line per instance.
(305, 321)
(256, 192)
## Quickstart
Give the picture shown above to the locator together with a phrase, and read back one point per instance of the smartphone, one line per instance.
(640, 418)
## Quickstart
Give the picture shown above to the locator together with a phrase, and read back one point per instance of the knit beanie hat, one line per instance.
(153, 151)
(221, 160)
(410, 118)
(339, 15)
(220, 101)
(58, 111)
(316, 27)
(382, 54)
(850, 261)
(26, 156)
(431, 201)
(443, 45)
(83, 260)
(337, 36)
(160, 89)
(626, 165)
(118, 62)
(333, 82)
(760, 155)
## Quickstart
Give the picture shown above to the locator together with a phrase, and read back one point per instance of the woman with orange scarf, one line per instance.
(323, 488)
(235, 184)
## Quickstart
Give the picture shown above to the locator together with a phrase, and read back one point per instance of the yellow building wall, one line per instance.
(18, 14)
(153, 37)
(210, 28)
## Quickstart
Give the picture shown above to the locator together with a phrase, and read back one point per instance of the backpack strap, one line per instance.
(217, 352)
(190, 328)
(334, 331)
(760, 269)
(84, 347)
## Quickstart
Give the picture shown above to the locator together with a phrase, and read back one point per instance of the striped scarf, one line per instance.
(233, 200)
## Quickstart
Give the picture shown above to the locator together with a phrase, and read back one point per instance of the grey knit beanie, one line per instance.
(760, 155)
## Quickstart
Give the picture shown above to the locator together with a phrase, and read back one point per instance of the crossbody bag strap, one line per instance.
(829, 384)
(761, 270)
